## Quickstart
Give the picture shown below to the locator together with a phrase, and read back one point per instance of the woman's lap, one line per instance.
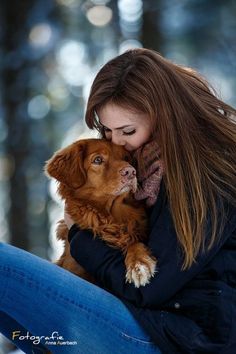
(43, 298)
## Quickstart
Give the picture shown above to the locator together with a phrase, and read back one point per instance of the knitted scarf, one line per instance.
(150, 169)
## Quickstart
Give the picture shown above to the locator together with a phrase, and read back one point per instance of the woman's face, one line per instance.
(124, 127)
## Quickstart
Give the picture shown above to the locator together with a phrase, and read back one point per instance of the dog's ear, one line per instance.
(66, 165)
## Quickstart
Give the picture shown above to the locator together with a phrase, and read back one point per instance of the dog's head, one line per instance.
(92, 166)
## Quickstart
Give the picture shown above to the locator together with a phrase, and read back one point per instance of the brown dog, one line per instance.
(97, 181)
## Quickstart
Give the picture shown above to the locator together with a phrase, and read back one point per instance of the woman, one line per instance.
(183, 138)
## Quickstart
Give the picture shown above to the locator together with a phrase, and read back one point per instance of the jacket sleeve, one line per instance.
(107, 264)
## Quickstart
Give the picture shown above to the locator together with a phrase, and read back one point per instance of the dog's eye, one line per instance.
(98, 160)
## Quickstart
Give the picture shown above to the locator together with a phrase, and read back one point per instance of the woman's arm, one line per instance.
(107, 264)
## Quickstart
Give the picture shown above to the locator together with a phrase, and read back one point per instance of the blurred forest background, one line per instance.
(50, 52)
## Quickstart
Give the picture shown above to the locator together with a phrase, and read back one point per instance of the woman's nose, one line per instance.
(117, 140)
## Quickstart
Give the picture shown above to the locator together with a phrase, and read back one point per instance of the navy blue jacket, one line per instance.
(190, 311)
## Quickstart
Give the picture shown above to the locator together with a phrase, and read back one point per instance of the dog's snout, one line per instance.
(128, 172)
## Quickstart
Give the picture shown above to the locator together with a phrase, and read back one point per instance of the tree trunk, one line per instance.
(14, 82)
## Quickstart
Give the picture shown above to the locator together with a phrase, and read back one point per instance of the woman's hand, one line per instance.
(67, 218)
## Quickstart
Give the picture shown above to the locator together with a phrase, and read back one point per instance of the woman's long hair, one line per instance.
(196, 133)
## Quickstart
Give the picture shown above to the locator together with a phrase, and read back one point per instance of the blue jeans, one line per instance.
(44, 306)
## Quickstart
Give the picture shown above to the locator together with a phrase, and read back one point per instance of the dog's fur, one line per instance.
(97, 183)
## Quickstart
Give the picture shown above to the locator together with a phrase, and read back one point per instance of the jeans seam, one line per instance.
(137, 340)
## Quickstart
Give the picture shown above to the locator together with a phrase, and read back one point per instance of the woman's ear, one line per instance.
(67, 165)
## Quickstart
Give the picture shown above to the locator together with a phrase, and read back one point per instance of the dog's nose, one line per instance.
(128, 172)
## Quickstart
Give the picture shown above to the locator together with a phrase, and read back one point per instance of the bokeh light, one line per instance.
(130, 10)
(130, 13)
(38, 107)
(99, 15)
(40, 35)
(71, 58)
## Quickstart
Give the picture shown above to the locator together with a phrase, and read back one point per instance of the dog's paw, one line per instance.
(141, 272)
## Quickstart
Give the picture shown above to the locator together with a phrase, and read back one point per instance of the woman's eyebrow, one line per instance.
(123, 126)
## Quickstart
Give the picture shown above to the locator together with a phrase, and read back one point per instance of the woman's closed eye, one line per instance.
(131, 132)
(124, 132)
